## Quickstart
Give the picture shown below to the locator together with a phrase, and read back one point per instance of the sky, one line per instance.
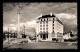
(29, 12)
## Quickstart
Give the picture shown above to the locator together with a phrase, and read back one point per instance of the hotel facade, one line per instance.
(48, 28)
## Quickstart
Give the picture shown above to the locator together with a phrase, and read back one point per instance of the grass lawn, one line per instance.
(43, 45)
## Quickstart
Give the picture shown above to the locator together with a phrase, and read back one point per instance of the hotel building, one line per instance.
(48, 28)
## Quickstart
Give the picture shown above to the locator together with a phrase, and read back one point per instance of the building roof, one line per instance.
(59, 21)
(45, 16)
(48, 16)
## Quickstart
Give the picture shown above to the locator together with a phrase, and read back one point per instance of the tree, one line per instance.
(71, 34)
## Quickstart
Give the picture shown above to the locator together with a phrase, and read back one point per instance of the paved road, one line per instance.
(43, 45)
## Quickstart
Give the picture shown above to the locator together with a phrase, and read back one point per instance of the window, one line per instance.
(40, 25)
(43, 25)
(43, 22)
(53, 27)
(47, 31)
(43, 28)
(53, 21)
(44, 19)
(53, 24)
(40, 28)
(53, 30)
(40, 22)
(53, 18)
(46, 28)
(43, 31)
(41, 19)
(47, 19)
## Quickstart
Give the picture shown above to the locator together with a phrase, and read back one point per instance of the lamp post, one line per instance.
(8, 34)
(23, 35)
(24, 29)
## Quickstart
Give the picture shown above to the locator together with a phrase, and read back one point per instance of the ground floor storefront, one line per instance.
(50, 37)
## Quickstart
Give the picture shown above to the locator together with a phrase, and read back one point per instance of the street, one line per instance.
(42, 45)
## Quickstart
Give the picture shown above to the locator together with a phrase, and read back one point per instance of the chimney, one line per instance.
(41, 15)
(50, 14)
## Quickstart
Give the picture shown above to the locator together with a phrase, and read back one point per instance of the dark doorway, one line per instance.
(44, 36)
(23, 36)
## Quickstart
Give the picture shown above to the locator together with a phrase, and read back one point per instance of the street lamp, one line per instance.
(24, 29)
(8, 34)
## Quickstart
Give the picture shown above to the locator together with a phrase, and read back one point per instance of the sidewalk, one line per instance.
(71, 43)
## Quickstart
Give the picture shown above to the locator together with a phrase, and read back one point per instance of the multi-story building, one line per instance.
(48, 28)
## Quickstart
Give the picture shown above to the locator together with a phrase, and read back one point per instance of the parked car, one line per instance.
(70, 40)
(23, 42)
(54, 39)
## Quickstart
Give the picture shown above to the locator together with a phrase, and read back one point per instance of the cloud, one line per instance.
(5, 28)
(12, 25)
(13, 20)
(9, 6)
(11, 28)
(31, 23)
(69, 21)
(66, 16)
(31, 10)
(21, 24)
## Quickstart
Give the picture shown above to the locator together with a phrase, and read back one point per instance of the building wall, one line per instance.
(50, 28)
(56, 28)
(50, 25)
(37, 27)
(59, 27)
